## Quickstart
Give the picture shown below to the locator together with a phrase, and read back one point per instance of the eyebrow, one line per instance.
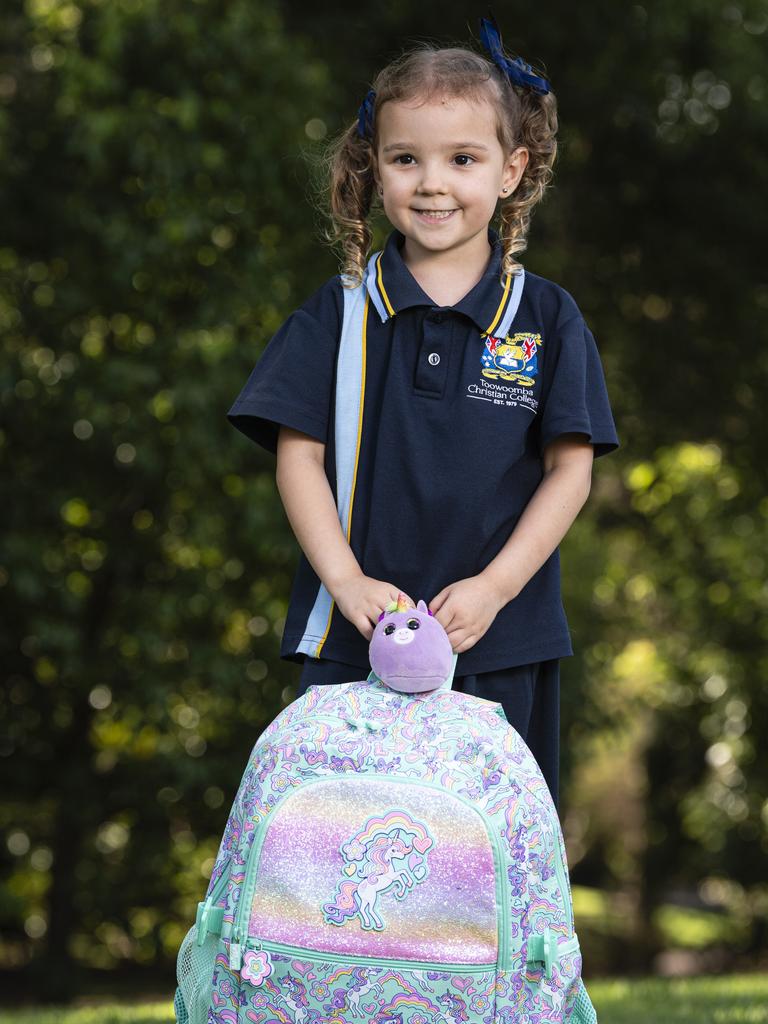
(453, 145)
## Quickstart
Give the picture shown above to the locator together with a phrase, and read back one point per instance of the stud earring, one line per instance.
(381, 191)
(505, 190)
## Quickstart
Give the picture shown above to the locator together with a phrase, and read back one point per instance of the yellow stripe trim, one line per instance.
(501, 305)
(364, 343)
(382, 289)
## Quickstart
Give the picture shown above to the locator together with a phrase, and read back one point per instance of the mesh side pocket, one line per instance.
(583, 1011)
(194, 973)
(180, 1008)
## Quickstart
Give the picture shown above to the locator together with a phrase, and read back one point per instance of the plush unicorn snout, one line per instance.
(403, 636)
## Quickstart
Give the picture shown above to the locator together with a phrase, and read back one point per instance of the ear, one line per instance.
(514, 168)
(421, 607)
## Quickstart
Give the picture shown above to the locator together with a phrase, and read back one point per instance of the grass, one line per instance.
(151, 1013)
(735, 999)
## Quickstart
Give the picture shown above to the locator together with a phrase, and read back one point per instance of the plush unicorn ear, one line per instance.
(421, 607)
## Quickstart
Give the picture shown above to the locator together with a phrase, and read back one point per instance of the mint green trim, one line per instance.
(564, 887)
(376, 961)
(209, 921)
(547, 949)
(239, 932)
(210, 918)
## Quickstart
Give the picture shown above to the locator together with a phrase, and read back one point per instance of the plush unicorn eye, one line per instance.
(389, 629)
(413, 623)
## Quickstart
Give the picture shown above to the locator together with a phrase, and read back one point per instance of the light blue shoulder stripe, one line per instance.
(349, 397)
(373, 288)
(512, 305)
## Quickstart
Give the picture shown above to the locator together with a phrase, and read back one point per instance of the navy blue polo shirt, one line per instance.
(455, 419)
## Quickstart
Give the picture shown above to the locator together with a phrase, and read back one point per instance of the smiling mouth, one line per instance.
(435, 214)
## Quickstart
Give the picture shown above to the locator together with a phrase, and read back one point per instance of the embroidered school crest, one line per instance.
(513, 358)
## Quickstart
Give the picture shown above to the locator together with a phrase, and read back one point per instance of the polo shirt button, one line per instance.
(433, 358)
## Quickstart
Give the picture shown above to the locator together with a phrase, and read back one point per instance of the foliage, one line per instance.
(668, 788)
(148, 561)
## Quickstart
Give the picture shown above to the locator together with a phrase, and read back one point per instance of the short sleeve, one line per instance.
(291, 385)
(574, 396)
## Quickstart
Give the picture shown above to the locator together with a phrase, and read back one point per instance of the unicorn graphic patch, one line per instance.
(388, 856)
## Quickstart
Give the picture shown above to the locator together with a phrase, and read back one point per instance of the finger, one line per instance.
(465, 644)
(373, 615)
(447, 613)
(437, 602)
(364, 627)
(457, 635)
(395, 597)
(446, 617)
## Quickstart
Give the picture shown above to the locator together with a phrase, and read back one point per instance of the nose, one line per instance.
(431, 179)
(404, 636)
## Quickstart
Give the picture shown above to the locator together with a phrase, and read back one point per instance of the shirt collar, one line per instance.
(392, 287)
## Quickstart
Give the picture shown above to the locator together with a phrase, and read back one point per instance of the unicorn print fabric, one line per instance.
(392, 857)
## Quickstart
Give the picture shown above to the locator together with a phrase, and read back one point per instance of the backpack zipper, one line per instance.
(359, 958)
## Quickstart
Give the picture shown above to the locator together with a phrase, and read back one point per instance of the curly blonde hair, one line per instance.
(525, 118)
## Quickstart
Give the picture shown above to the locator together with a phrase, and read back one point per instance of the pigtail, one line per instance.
(537, 132)
(350, 195)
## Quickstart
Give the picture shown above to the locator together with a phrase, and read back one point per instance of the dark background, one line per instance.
(159, 218)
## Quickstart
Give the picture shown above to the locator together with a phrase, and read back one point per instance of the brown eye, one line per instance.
(413, 623)
(389, 629)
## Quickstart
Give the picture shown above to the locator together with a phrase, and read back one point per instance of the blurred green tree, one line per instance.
(155, 232)
(667, 786)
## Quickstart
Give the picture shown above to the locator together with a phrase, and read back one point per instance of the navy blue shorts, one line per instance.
(529, 694)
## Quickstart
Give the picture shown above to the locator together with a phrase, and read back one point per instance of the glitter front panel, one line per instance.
(437, 905)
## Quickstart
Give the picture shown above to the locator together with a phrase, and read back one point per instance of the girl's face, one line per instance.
(442, 169)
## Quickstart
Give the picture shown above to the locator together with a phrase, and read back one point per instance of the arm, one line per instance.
(467, 608)
(311, 510)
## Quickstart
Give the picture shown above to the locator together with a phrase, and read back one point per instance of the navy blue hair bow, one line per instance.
(518, 72)
(365, 116)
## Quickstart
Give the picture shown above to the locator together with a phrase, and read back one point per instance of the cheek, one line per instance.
(394, 184)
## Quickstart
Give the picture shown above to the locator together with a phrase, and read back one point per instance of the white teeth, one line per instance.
(436, 214)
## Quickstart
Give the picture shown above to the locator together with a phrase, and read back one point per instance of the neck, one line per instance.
(447, 277)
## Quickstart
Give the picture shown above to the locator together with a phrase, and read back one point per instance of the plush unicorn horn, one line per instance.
(410, 651)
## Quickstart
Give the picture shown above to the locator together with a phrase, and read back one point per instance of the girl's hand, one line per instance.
(361, 600)
(466, 610)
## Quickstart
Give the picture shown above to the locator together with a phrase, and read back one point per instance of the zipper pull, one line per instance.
(235, 956)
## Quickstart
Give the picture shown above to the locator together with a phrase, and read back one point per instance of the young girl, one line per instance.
(436, 409)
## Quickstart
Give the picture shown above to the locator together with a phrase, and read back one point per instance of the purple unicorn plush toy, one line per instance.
(410, 651)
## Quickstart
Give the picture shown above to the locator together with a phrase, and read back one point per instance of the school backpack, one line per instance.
(392, 857)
